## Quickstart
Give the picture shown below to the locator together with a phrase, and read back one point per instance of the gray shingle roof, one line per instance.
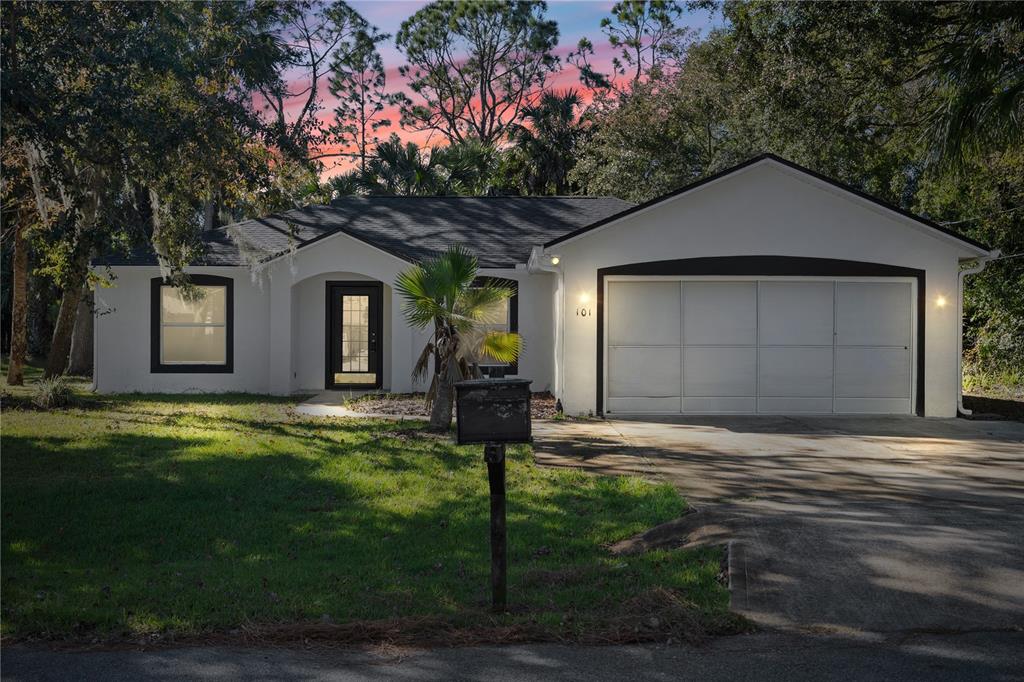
(499, 230)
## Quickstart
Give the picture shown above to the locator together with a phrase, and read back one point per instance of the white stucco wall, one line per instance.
(122, 341)
(536, 297)
(279, 317)
(765, 209)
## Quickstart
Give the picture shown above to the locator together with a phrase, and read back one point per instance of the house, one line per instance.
(764, 289)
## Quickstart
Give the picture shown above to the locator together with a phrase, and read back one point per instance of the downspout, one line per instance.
(539, 262)
(978, 266)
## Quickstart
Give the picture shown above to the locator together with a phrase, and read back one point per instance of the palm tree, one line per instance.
(976, 68)
(443, 292)
(344, 185)
(546, 146)
(400, 169)
(470, 167)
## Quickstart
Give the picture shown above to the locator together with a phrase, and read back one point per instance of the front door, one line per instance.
(354, 335)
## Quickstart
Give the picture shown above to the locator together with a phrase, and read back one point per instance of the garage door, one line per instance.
(759, 346)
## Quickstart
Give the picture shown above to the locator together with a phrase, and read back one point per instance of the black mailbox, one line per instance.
(493, 411)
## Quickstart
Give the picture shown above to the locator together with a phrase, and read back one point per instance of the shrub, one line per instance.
(51, 393)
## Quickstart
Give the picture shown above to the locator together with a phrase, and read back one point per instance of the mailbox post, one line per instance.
(494, 412)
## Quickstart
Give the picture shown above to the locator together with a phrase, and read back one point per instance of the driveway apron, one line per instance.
(834, 523)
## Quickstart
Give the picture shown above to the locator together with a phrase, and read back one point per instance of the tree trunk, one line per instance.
(209, 215)
(441, 411)
(81, 339)
(19, 310)
(60, 347)
(41, 295)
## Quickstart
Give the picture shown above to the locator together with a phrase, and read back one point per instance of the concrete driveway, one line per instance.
(837, 524)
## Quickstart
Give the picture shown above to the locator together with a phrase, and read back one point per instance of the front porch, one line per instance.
(342, 333)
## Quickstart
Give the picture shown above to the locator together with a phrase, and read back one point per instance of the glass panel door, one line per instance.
(355, 333)
(354, 323)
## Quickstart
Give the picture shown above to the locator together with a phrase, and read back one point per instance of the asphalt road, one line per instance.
(961, 657)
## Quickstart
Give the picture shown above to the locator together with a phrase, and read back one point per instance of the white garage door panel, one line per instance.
(873, 406)
(872, 373)
(643, 313)
(719, 372)
(644, 405)
(643, 372)
(795, 313)
(719, 313)
(797, 372)
(794, 405)
(773, 346)
(719, 405)
(873, 313)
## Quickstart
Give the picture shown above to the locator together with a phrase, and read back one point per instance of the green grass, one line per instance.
(1005, 385)
(190, 514)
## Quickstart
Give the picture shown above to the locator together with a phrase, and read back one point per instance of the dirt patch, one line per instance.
(542, 405)
(655, 616)
(662, 615)
(697, 528)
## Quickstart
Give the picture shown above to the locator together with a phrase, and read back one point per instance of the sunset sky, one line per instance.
(576, 19)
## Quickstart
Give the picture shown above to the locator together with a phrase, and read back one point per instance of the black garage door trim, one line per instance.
(766, 266)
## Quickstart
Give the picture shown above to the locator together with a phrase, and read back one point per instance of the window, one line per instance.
(503, 317)
(192, 334)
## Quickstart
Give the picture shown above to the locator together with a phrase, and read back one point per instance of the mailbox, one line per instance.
(493, 411)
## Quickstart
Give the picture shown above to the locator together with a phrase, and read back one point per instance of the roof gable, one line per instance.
(851, 192)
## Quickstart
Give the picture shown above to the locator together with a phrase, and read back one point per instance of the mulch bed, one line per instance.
(542, 405)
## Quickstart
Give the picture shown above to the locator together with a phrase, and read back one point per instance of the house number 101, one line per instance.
(583, 312)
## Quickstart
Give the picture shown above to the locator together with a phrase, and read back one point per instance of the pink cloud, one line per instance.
(575, 19)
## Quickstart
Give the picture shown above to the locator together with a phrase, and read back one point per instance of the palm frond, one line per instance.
(420, 308)
(479, 302)
(452, 372)
(431, 391)
(502, 346)
(456, 269)
(419, 370)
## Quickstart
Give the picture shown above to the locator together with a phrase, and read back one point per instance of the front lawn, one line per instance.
(187, 515)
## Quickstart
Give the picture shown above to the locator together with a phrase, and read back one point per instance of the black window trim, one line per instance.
(511, 368)
(155, 366)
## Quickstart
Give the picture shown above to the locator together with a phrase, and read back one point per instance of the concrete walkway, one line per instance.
(837, 524)
(332, 404)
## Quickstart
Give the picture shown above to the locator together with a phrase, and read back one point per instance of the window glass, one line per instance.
(194, 345)
(193, 331)
(495, 319)
(209, 306)
(355, 334)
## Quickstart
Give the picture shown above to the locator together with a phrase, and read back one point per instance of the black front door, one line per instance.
(354, 335)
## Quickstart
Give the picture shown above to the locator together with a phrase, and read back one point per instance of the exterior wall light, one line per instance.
(555, 260)
(940, 301)
(584, 309)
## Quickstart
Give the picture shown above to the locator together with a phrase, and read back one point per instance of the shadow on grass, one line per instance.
(263, 521)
